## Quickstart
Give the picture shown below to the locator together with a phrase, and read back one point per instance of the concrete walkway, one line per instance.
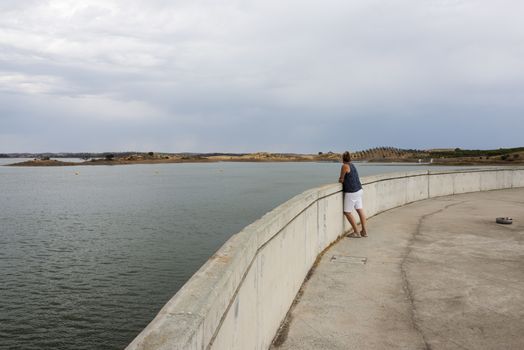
(435, 274)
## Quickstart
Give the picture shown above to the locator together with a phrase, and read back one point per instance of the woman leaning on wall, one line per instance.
(353, 192)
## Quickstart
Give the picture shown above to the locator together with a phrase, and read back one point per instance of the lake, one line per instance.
(89, 254)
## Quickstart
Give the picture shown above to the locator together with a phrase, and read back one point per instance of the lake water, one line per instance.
(89, 254)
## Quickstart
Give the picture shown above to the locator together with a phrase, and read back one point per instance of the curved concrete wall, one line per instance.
(238, 299)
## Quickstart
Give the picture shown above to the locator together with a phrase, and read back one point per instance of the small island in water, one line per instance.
(457, 156)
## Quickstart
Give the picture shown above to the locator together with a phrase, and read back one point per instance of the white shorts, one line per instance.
(352, 200)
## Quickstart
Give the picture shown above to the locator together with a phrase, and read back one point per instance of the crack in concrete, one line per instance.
(283, 330)
(405, 281)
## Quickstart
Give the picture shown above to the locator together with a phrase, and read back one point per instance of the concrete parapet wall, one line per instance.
(239, 297)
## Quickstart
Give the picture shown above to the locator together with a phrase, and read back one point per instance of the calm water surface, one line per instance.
(89, 254)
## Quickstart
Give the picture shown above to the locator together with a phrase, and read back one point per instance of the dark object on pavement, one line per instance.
(506, 221)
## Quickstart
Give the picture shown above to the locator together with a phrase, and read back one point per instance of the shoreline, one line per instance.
(104, 162)
(33, 163)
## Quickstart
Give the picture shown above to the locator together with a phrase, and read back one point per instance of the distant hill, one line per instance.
(448, 156)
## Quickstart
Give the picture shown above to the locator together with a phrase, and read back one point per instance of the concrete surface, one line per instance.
(437, 274)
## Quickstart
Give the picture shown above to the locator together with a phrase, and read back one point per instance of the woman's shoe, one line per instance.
(353, 235)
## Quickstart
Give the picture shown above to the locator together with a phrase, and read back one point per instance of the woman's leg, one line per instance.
(362, 217)
(352, 222)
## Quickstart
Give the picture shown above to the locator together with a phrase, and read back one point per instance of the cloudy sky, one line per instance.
(261, 75)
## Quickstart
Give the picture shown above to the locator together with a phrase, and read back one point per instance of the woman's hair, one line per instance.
(346, 157)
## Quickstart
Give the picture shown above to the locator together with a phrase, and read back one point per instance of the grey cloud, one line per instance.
(260, 75)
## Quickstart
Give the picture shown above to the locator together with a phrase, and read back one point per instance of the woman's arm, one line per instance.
(345, 169)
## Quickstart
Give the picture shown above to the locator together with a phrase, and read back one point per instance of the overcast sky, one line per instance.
(263, 75)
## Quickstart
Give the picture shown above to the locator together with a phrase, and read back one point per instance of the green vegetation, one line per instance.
(475, 153)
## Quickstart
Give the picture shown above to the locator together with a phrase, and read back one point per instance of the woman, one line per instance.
(352, 195)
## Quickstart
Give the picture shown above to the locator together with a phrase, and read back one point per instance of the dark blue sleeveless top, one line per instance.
(351, 180)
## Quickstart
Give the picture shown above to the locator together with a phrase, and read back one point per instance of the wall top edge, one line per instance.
(214, 273)
(476, 170)
(367, 180)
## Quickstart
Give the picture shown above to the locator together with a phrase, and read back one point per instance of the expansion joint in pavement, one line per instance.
(405, 281)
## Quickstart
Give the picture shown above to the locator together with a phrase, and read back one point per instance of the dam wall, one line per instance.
(240, 296)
